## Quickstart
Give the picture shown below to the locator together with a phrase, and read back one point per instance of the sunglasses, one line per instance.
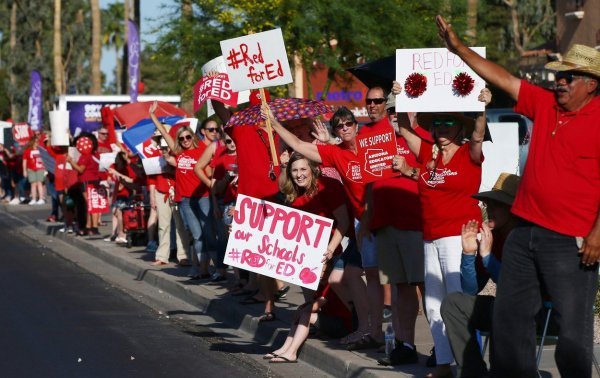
(444, 122)
(341, 125)
(377, 101)
(567, 76)
(185, 137)
(228, 141)
(211, 129)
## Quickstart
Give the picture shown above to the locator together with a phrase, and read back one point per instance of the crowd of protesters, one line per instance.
(420, 234)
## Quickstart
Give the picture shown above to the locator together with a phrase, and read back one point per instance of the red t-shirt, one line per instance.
(33, 160)
(163, 182)
(446, 196)
(91, 165)
(324, 202)
(348, 166)
(188, 184)
(254, 161)
(221, 163)
(560, 188)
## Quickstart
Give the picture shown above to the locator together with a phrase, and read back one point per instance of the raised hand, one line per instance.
(487, 239)
(396, 88)
(468, 237)
(153, 107)
(485, 96)
(447, 34)
(320, 131)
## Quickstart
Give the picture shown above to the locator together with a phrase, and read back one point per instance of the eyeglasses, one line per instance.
(348, 124)
(568, 76)
(444, 122)
(377, 101)
(211, 129)
(185, 137)
(228, 141)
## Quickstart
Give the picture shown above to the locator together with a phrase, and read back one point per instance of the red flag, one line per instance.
(108, 121)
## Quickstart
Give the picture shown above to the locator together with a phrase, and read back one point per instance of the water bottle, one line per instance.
(390, 340)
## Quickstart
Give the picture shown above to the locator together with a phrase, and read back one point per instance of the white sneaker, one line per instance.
(32, 202)
(41, 201)
(121, 240)
(14, 201)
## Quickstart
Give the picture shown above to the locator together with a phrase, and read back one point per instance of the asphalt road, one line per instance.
(57, 320)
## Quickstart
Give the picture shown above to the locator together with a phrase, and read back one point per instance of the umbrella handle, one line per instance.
(269, 131)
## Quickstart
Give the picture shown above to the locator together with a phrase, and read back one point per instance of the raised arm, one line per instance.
(476, 145)
(488, 70)
(309, 150)
(405, 125)
(163, 131)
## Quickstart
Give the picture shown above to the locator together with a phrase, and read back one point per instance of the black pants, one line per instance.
(463, 315)
(537, 259)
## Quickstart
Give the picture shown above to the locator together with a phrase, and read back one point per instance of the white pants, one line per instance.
(442, 276)
(165, 212)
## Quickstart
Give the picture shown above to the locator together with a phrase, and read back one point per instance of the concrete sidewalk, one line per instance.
(215, 301)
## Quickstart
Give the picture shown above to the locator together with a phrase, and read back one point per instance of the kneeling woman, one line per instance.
(305, 190)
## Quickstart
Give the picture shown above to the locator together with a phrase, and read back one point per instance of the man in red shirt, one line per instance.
(556, 245)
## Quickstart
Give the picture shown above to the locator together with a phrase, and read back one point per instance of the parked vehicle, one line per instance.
(525, 127)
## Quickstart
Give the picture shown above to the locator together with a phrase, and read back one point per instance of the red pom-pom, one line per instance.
(415, 85)
(463, 84)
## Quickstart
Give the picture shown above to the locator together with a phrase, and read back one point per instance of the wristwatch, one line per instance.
(413, 172)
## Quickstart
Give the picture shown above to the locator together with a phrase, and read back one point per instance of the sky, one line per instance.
(150, 9)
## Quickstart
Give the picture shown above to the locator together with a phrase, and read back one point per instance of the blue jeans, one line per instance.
(535, 261)
(195, 213)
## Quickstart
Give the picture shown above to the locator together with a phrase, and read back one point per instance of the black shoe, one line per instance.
(431, 361)
(282, 293)
(403, 354)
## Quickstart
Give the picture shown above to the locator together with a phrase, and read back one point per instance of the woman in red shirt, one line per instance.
(192, 194)
(450, 172)
(305, 190)
(33, 169)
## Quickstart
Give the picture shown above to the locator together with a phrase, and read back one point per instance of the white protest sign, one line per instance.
(59, 127)
(4, 125)
(278, 241)
(215, 88)
(154, 165)
(436, 80)
(256, 61)
(218, 65)
(74, 154)
(502, 155)
(106, 160)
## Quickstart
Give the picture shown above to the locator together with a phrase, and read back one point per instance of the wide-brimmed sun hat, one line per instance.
(579, 58)
(504, 190)
(430, 120)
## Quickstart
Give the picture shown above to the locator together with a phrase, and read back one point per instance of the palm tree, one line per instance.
(113, 32)
(57, 51)
(96, 48)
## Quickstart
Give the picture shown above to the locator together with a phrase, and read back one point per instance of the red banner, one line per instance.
(97, 199)
(215, 88)
(376, 151)
(21, 133)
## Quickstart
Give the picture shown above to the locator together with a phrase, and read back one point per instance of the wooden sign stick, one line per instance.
(269, 131)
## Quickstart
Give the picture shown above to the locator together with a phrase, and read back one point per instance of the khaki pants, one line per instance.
(165, 212)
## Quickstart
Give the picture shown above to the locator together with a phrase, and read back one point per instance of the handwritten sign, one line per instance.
(376, 151)
(97, 199)
(436, 80)
(21, 133)
(216, 88)
(278, 241)
(257, 60)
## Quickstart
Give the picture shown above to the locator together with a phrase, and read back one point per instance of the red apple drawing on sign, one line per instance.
(307, 276)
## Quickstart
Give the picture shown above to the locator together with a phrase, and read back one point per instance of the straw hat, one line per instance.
(579, 58)
(504, 190)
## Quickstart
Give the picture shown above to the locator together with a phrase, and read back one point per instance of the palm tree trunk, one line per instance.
(96, 48)
(58, 67)
(14, 112)
(471, 31)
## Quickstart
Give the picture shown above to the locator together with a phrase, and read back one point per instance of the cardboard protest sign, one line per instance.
(376, 152)
(59, 125)
(97, 199)
(278, 241)
(21, 133)
(218, 65)
(500, 156)
(106, 160)
(257, 60)
(47, 159)
(216, 88)
(436, 80)
(6, 133)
